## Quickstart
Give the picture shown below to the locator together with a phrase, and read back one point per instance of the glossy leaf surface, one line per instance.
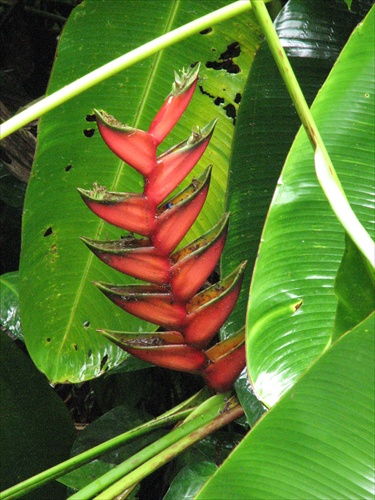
(312, 34)
(60, 307)
(292, 304)
(9, 304)
(267, 122)
(318, 440)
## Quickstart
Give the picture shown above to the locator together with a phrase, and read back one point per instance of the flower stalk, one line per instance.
(211, 415)
(171, 417)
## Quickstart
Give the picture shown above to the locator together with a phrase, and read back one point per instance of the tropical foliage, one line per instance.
(307, 300)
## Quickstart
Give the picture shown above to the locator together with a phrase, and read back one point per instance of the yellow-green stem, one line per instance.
(174, 415)
(125, 61)
(204, 414)
(224, 418)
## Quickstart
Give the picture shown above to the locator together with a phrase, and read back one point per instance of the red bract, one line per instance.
(172, 298)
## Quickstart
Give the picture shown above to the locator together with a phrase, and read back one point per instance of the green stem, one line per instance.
(203, 415)
(325, 171)
(224, 418)
(176, 414)
(125, 61)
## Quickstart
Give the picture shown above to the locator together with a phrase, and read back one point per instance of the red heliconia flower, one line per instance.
(174, 298)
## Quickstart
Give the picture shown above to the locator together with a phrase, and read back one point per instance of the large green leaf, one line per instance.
(267, 124)
(292, 303)
(60, 307)
(318, 441)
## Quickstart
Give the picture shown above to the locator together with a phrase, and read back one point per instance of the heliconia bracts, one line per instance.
(189, 316)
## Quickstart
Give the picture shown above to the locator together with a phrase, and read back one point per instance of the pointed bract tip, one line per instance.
(97, 193)
(83, 192)
(86, 241)
(200, 134)
(185, 79)
(110, 121)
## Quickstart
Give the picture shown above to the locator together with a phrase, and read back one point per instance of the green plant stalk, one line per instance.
(73, 463)
(178, 413)
(224, 418)
(204, 414)
(125, 61)
(324, 168)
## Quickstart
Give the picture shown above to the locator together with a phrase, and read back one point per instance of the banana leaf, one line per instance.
(266, 127)
(292, 304)
(318, 440)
